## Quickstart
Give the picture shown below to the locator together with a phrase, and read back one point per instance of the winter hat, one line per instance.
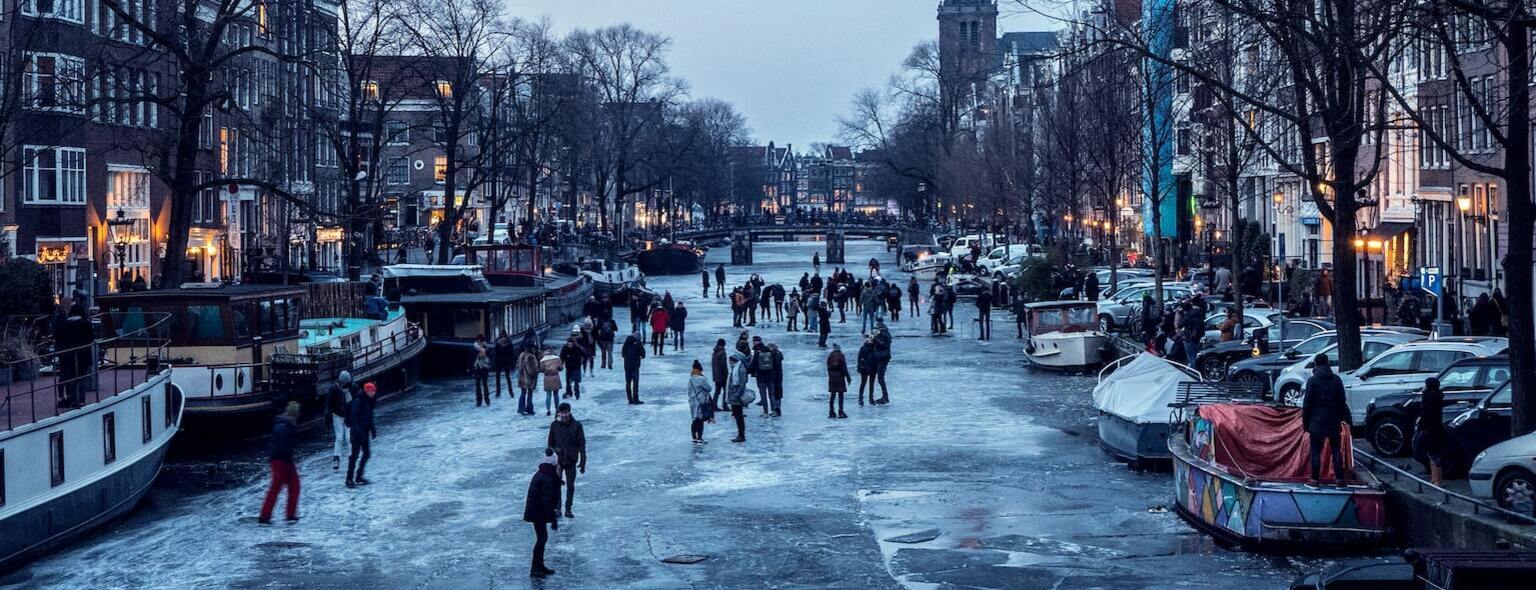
(550, 458)
(344, 378)
(698, 368)
(575, 329)
(369, 388)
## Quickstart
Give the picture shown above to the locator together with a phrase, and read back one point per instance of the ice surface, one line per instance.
(972, 445)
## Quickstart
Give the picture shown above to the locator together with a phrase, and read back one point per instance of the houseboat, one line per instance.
(220, 337)
(1064, 336)
(454, 305)
(1252, 491)
(347, 328)
(66, 469)
(1133, 397)
(523, 265)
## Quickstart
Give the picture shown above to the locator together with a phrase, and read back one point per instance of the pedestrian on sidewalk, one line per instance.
(569, 441)
(606, 332)
(481, 369)
(280, 458)
(700, 403)
(659, 322)
(865, 363)
(1324, 412)
(984, 315)
(336, 400)
(720, 280)
(837, 382)
(720, 371)
(527, 380)
(551, 365)
(572, 357)
(633, 352)
(882, 360)
(542, 509)
(678, 322)
(503, 361)
(824, 323)
(1430, 437)
(360, 420)
(736, 394)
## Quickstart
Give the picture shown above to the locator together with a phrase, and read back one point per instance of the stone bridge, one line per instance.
(834, 234)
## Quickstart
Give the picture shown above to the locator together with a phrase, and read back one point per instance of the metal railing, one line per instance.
(50, 384)
(1479, 507)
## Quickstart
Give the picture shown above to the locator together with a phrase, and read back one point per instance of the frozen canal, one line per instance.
(998, 462)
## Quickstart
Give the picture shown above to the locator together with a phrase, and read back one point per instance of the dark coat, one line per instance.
(882, 356)
(984, 302)
(866, 362)
(632, 352)
(280, 444)
(824, 319)
(360, 417)
(573, 355)
(837, 372)
(570, 441)
(336, 399)
(1324, 405)
(678, 320)
(504, 355)
(719, 366)
(543, 503)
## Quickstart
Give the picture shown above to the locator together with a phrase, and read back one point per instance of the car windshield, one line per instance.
(1313, 345)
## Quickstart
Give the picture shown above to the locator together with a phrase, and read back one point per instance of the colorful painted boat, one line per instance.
(1267, 505)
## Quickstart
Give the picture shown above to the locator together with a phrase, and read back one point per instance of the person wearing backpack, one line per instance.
(678, 322)
(633, 353)
(776, 375)
(607, 331)
(760, 366)
(823, 323)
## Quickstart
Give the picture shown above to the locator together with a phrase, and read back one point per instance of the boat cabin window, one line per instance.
(468, 323)
(108, 437)
(56, 458)
(2, 477)
(240, 313)
(1054, 319)
(204, 322)
(146, 412)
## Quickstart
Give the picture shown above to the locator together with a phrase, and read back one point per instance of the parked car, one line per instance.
(1246, 363)
(1289, 383)
(1504, 472)
(1004, 254)
(1253, 319)
(1406, 366)
(1391, 419)
(1118, 312)
(1483, 426)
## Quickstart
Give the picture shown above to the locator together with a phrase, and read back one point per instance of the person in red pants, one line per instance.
(284, 473)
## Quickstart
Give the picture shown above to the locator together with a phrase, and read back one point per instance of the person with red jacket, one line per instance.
(659, 321)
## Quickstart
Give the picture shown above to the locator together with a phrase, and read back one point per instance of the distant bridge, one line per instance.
(834, 234)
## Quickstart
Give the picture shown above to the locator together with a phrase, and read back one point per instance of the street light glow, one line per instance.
(1359, 243)
(1373, 244)
(1464, 203)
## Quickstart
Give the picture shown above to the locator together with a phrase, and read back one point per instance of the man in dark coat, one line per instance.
(284, 473)
(362, 432)
(633, 352)
(823, 322)
(720, 371)
(569, 441)
(720, 280)
(1324, 411)
(504, 360)
(542, 509)
(984, 314)
(572, 355)
(882, 360)
(1091, 286)
(705, 274)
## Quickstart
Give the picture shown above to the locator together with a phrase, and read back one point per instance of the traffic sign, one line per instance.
(1430, 280)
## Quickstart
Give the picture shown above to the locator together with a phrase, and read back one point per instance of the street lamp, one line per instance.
(119, 226)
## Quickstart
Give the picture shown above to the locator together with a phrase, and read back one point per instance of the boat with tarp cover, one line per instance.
(1240, 475)
(1133, 398)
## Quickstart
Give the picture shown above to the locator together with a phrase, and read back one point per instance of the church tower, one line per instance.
(967, 38)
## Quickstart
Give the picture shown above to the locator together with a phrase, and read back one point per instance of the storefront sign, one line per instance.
(52, 254)
(329, 234)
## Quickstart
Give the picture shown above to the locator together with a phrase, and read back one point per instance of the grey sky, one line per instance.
(790, 66)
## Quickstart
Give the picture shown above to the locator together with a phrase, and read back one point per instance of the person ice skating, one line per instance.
(882, 360)
(677, 321)
(503, 361)
(865, 364)
(569, 441)
(481, 368)
(700, 403)
(363, 431)
(720, 280)
(659, 322)
(720, 371)
(572, 355)
(633, 352)
(527, 380)
(736, 394)
(341, 393)
(542, 509)
(551, 365)
(816, 260)
(586, 336)
(1324, 411)
(280, 458)
(837, 382)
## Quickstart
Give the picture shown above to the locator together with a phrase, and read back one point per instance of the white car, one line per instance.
(1253, 319)
(962, 246)
(1399, 369)
(1506, 473)
(1291, 381)
(1007, 254)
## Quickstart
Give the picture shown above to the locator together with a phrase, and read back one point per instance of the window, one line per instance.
(1299, 330)
(2, 477)
(108, 437)
(369, 90)
(1372, 350)
(1495, 377)
(53, 175)
(1432, 361)
(147, 413)
(440, 169)
(1397, 362)
(444, 89)
(1459, 377)
(172, 405)
(399, 172)
(53, 82)
(56, 458)
(397, 132)
(66, 10)
(262, 25)
(205, 322)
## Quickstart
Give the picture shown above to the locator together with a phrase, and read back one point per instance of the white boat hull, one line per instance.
(1074, 351)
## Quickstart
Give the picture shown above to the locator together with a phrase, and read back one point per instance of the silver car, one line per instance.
(1118, 312)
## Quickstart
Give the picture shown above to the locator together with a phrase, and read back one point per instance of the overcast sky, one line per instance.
(790, 66)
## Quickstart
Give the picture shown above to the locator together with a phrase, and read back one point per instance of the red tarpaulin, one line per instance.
(1266, 442)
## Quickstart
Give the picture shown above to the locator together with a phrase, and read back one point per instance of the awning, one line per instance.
(1387, 230)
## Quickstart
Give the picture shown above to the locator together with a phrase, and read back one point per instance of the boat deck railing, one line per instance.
(1403, 477)
(51, 384)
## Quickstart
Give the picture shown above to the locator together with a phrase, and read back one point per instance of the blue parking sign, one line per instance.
(1430, 280)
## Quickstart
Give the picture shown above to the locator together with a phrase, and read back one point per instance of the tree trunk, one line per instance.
(183, 183)
(1517, 261)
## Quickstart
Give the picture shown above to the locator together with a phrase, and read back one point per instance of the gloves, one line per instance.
(582, 469)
